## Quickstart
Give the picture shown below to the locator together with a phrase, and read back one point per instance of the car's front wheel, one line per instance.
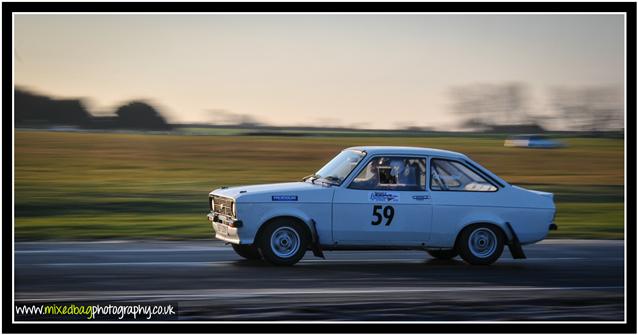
(246, 251)
(283, 242)
(480, 244)
(443, 254)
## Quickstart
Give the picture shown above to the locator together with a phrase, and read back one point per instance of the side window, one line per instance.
(449, 175)
(392, 173)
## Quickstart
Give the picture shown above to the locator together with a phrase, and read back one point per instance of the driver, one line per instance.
(372, 173)
(398, 168)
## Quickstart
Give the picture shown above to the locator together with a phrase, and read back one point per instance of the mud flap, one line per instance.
(316, 247)
(514, 244)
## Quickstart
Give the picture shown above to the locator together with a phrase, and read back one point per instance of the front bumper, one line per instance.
(222, 229)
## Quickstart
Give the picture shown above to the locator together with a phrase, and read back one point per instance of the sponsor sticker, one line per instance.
(284, 198)
(382, 196)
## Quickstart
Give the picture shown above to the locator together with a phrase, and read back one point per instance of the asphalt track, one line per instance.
(571, 280)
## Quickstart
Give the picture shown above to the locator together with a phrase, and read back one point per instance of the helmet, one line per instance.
(398, 167)
(376, 162)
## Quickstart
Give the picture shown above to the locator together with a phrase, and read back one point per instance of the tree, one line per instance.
(33, 109)
(589, 108)
(140, 115)
(484, 105)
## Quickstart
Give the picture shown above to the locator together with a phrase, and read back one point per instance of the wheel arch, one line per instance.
(302, 219)
(500, 225)
(482, 217)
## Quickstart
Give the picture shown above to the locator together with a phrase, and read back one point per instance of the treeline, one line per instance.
(40, 111)
(507, 106)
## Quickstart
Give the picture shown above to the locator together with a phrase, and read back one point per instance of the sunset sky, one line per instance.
(376, 71)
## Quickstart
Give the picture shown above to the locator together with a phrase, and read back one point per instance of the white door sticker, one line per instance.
(383, 196)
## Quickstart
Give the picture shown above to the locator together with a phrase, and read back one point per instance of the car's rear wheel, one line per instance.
(443, 254)
(480, 244)
(247, 251)
(283, 242)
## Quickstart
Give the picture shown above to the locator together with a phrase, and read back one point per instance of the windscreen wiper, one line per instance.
(332, 180)
(313, 176)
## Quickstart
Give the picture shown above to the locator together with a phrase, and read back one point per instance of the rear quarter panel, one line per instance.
(529, 214)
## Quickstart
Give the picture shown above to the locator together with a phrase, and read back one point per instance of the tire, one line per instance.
(480, 244)
(443, 254)
(247, 251)
(283, 242)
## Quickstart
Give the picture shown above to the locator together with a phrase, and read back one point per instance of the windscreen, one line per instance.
(340, 167)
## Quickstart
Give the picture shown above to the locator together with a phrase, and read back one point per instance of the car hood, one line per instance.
(279, 192)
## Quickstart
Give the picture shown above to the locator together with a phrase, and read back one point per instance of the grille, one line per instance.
(223, 206)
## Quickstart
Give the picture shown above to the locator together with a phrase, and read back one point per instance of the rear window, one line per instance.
(447, 175)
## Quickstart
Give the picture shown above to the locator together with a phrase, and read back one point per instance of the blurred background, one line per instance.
(124, 123)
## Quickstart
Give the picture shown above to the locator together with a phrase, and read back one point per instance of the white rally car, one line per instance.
(397, 198)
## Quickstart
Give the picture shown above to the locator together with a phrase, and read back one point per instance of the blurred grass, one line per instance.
(98, 185)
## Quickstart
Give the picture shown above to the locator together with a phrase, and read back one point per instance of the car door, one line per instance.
(385, 204)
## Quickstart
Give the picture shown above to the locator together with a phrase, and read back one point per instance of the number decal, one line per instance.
(377, 214)
(388, 214)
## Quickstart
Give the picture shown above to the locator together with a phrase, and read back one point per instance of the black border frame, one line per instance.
(630, 132)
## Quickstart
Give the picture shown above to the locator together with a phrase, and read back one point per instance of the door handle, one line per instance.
(420, 197)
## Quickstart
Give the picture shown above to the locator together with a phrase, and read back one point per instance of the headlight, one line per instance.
(212, 204)
(233, 207)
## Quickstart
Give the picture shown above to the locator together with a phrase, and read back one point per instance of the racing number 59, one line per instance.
(388, 214)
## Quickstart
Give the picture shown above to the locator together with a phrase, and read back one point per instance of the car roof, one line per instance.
(392, 150)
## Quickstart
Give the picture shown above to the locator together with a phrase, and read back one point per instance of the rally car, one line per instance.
(397, 198)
